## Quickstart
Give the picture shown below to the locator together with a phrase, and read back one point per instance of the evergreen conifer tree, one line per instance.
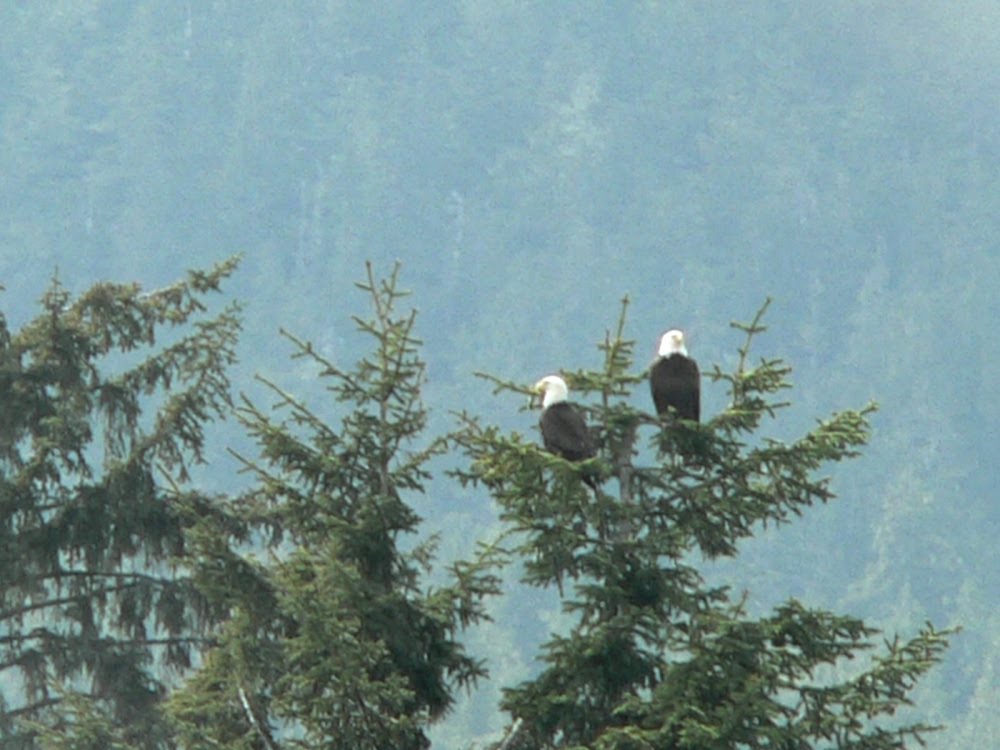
(657, 658)
(335, 639)
(104, 399)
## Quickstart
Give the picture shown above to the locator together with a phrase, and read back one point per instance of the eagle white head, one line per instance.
(672, 342)
(553, 389)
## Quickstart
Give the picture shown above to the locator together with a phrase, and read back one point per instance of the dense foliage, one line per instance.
(104, 410)
(656, 657)
(312, 613)
(335, 638)
(530, 162)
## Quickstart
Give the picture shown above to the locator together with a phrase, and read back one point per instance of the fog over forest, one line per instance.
(529, 165)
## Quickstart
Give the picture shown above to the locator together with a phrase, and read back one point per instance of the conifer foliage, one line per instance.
(335, 640)
(657, 658)
(104, 399)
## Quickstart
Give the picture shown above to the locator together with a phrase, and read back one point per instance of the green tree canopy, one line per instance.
(308, 594)
(104, 401)
(656, 657)
(336, 639)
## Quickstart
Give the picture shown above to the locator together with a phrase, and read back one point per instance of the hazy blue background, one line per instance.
(532, 162)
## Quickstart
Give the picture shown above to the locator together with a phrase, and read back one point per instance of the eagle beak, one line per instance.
(537, 392)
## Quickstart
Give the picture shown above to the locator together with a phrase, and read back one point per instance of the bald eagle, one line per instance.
(564, 431)
(675, 380)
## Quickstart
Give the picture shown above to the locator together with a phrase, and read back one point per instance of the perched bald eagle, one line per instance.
(675, 380)
(564, 431)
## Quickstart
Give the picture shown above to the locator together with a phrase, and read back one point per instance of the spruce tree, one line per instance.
(656, 657)
(104, 400)
(335, 639)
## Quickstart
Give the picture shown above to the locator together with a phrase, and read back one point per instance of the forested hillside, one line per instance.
(532, 163)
